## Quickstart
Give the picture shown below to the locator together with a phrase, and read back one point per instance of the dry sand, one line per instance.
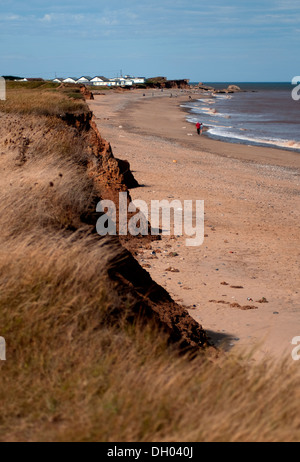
(252, 210)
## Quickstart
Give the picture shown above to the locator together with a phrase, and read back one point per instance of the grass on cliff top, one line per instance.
(77, 369)
(43, 98)
(72, 374)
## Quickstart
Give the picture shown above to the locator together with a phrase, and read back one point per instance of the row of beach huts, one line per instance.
(126, 81)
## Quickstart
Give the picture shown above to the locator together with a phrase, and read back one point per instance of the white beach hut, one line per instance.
(70, 80)
(84, 79)
(100, 81)
(137, 80)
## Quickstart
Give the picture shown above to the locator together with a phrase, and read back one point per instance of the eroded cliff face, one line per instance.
(26, 140)
(112, 172)
(115, 176)
(179, 84)
(162, 82)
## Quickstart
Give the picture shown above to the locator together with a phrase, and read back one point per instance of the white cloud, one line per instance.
(287, 5)
(47, 18)
(169, 19)
(10, 17)
(13, 17)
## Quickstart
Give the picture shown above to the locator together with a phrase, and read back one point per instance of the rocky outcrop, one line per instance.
(233, 88)
(200, 86)
(162, 82)
(230, 89)
(178, 84)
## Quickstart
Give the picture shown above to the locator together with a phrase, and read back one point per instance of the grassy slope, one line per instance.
(75, 370)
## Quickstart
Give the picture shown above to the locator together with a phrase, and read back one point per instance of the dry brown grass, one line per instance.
(74, 375)
(42, 99)
(77, 369)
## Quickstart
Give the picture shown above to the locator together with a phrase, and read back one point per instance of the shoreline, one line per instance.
(249, 153)
(251, 222)
(249, 143)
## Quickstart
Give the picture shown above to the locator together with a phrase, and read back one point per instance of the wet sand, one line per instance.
(252, 213)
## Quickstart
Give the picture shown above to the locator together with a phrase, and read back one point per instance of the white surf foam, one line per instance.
(225, 133)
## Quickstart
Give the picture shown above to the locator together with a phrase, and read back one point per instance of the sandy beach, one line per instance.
(251, 249)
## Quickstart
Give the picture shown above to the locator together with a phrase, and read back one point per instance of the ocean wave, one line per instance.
(221, 133)
(265, 118)
(210, 124)
(209, 111)
(207, 101)
(222, 96)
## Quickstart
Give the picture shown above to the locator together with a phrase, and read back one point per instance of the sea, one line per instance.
(265, 115)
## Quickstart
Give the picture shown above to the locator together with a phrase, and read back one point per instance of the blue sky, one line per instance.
(219, 40)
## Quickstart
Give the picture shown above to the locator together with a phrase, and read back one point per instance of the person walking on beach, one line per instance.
(199, 128)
